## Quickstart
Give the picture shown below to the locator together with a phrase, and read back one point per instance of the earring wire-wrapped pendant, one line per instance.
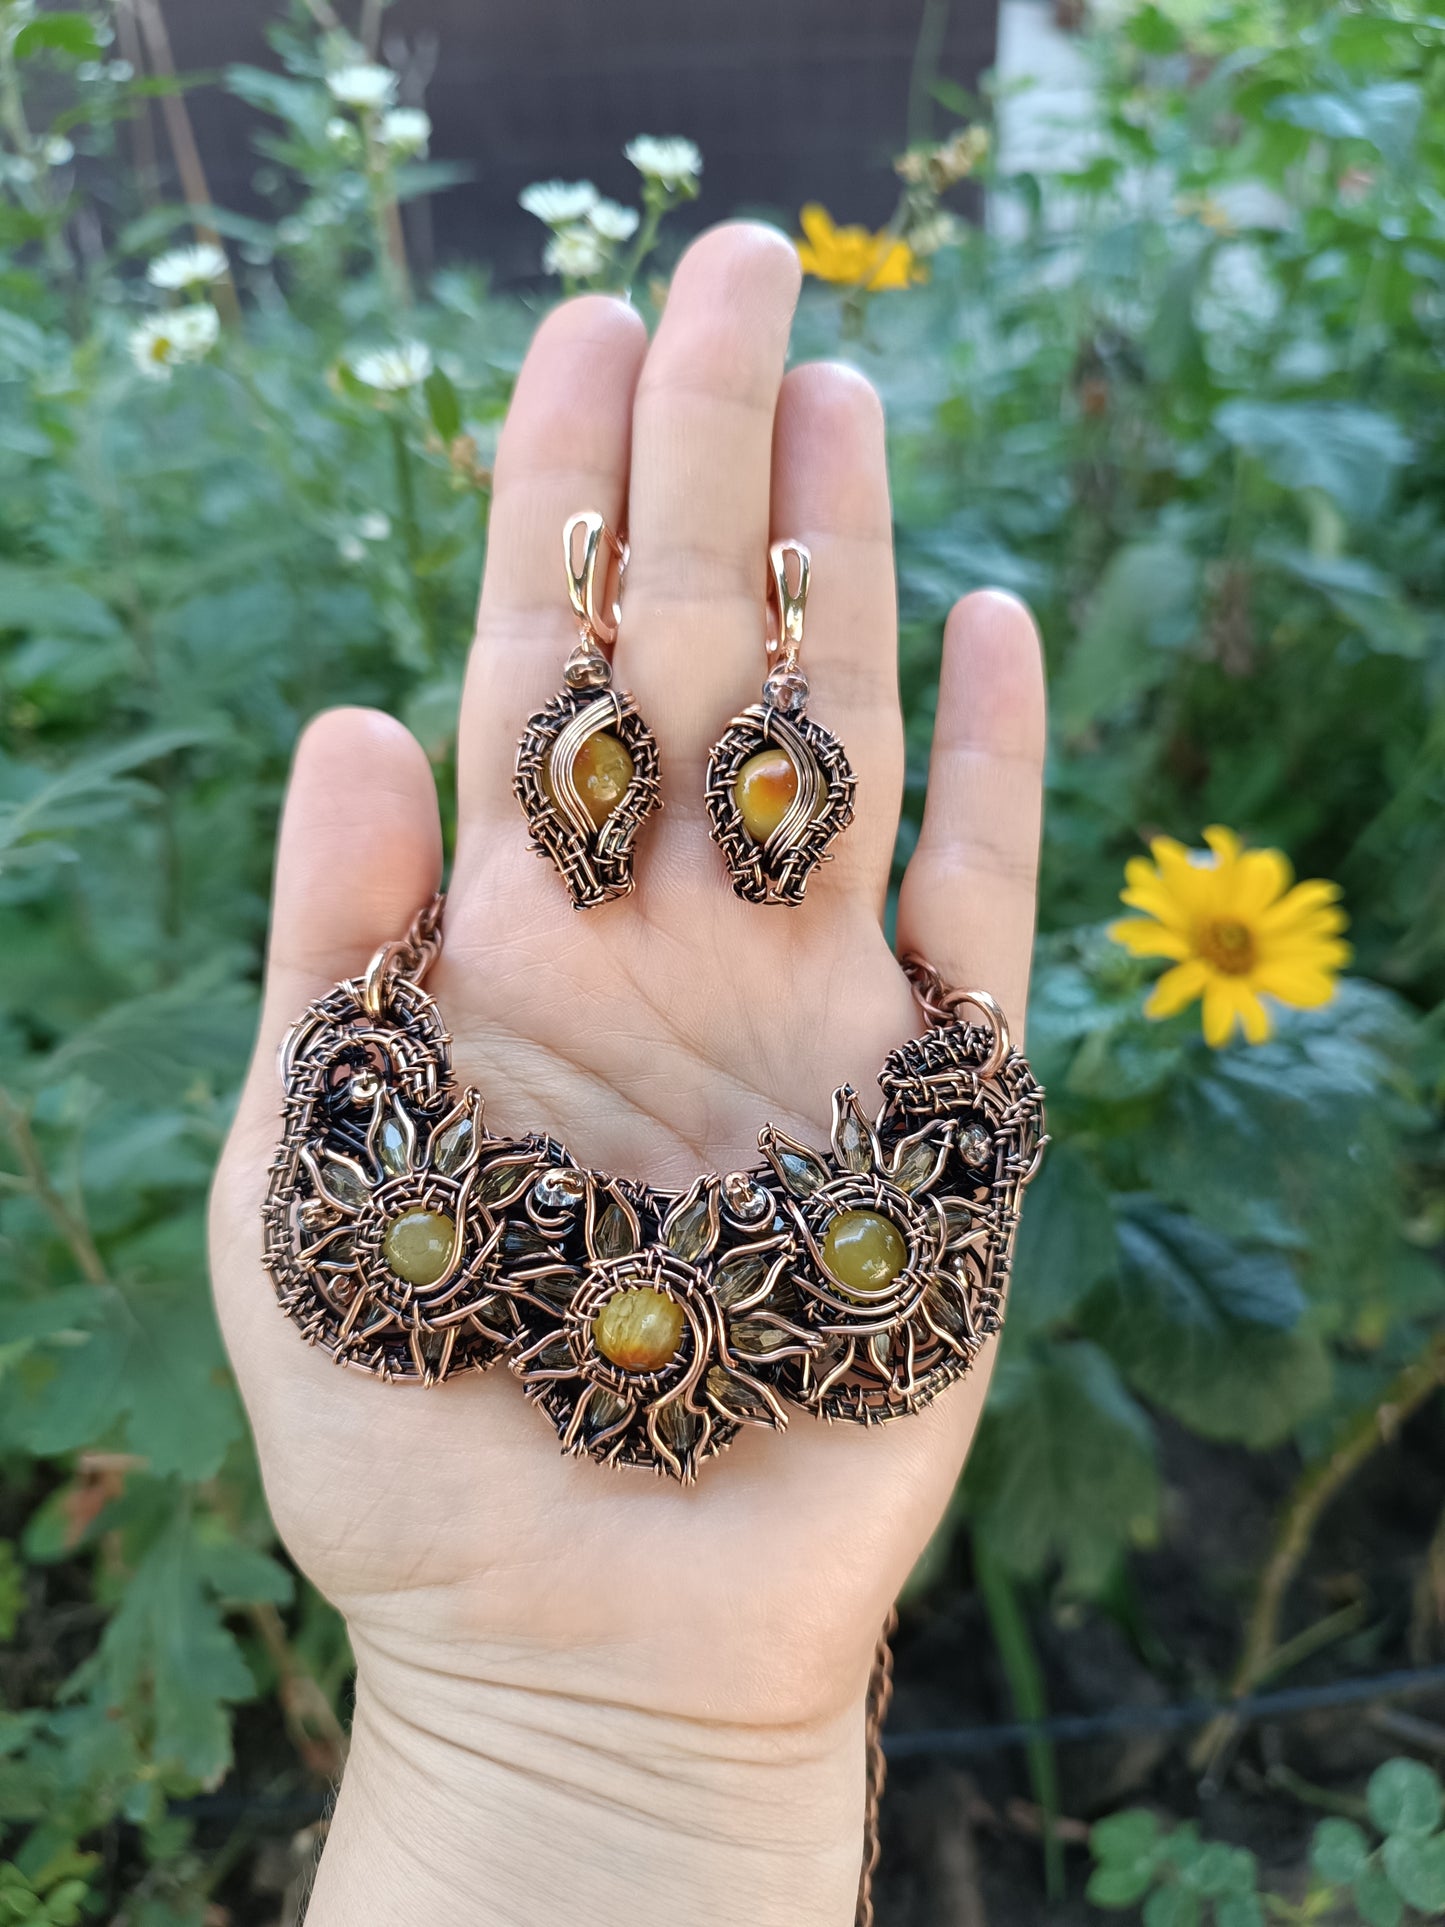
(587, 766)
(779, 786)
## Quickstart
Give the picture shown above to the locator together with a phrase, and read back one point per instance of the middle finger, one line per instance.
(702, 440)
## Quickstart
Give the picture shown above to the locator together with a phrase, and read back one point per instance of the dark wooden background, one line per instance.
(790, 100)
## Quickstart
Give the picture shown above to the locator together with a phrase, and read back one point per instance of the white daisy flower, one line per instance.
(406, 130)
(393, 370)
(340, 131)
(366, 87)
(559, 203)
(613, 221)
(351, 548)
(58, 151)
(196, 330)
(166, 340)
(576, 253)
(673, 162)
(374, 526)
(940, 230)
(187, 267)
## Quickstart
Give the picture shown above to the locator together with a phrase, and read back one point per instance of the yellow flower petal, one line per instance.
(1143, 938)
(1157, 902)
(1297, 985)
(1191, 884)
(1315, 898)
(1256, 1020)
(1219, 1012)
(817, 223)
(1261, 878)
(1223, 842)
(1176, 988)
(896, 266)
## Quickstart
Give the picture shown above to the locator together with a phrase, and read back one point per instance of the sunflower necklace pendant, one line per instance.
(854, 1282)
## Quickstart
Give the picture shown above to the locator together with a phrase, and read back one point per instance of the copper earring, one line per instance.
(779, 786)
(587, 777)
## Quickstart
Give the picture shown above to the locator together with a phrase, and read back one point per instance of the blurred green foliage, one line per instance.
(1183, 1881)
(1189, 398)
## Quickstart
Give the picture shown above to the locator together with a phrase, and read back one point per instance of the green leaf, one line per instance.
(36, 807)
(1350, 452)
(1200, 1325)
(1218, 1871)
(443, 405)
(1416, 1867)
(1172, 1907)
(1404, 1797)
(1152, 31)
(1064, 1466)
(1339, 1852)
(1066, 1242)
(71, 34)
(1142, 613)
(181, 1411)
(152, 1048)
(167, 1660)
(1379, 1904)
(1238, 1910)
(147, 1358)
(1119, 1885)
(1129, 1837)
(1386, 114)
(1199, 1280)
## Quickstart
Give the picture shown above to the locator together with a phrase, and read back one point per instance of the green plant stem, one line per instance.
(1354, 1444)
(33, 192)
(388, 235)
(654, 207)
(70, 1223)
(1026, 1687)
(316, 1733)
(1323, 1799)
(927, 59)
(411, 532)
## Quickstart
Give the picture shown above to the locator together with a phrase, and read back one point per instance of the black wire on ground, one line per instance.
(968, 1742)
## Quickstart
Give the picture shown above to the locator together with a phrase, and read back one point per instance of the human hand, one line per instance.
(585, 1694)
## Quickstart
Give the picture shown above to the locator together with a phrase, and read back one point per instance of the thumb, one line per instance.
(360, 851)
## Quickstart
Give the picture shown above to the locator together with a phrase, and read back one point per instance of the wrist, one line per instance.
(482, 1805)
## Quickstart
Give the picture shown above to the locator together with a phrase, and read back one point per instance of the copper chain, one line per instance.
(880, 1692)
(411, 956)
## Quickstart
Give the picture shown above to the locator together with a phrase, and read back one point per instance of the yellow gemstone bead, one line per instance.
(602, 770)
(763, 790)
(639, 1329)
(864, 1251)
(418, 1245)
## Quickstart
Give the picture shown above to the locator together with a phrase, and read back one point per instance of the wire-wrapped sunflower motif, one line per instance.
(385, 1216)
(656, 1326)
(870, 1272)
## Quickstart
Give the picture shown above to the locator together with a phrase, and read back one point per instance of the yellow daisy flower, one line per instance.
(1237, 928)
(854, 257)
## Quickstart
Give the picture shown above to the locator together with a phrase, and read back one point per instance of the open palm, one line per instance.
(485, 1579)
